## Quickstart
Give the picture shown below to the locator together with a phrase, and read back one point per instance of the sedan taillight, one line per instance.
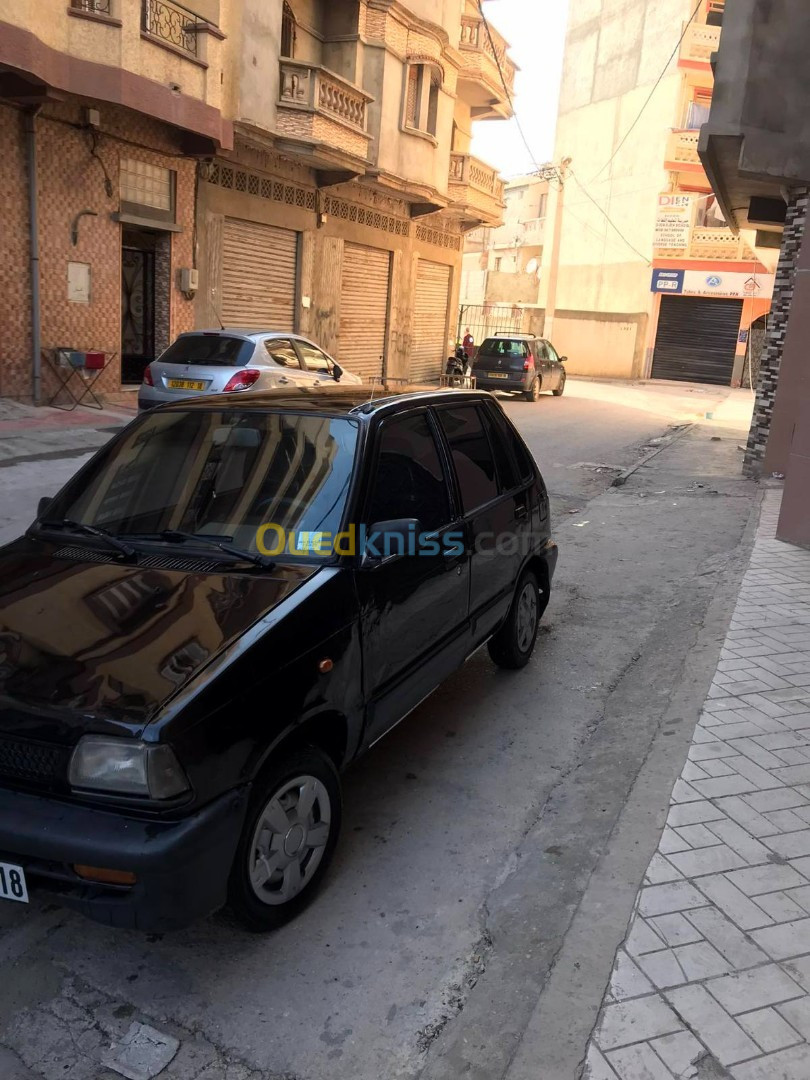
(243, 380)
(147, 377)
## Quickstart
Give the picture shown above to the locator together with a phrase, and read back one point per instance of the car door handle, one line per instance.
(521, 512)
(284, 380)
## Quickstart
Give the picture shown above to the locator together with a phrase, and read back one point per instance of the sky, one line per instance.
(536, 32)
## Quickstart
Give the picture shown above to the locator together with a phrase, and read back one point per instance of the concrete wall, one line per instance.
(602, 346)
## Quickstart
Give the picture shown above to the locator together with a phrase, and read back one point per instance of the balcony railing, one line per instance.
(313, 88)
(172, 24)
(682, 148)
(475, 38)
(705, 242)
(516, 234)
(699, 42)
(476, 186)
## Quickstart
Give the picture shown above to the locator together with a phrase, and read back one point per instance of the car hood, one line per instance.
(114, 641)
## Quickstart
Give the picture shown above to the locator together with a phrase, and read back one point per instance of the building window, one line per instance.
(287, 31)
(147, 191)
(92, 7)
(422, 98)
(498, 263)
(699, 108)
(541, 207)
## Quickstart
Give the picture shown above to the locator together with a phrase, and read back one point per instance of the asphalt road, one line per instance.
(493, 843)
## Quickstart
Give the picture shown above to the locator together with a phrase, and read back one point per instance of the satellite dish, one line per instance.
(532, 266)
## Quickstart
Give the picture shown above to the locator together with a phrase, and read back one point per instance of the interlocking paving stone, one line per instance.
(713, 1025)
(754, 989)
(728, 943)
(633, 1021)
(766, 1027)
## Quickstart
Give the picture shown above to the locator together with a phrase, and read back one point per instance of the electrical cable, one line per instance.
(607, 217)
(656, 84)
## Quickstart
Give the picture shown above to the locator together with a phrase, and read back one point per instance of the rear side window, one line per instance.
(409, 481)
(504, 347)
(218, 350)
(472, 455)
(505, 463)
(523, 459)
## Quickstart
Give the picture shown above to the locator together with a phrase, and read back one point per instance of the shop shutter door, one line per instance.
(364, 309)
(696, 339)
(259, 269)
(431, 301)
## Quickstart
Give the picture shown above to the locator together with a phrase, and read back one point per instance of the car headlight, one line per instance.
(120, 767)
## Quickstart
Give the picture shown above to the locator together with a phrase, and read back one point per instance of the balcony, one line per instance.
(172, 26)
(318, 108)
(699, 42)
(476, 190)
(480, 80)
(681, 156)
(719, 244)
(515, 234)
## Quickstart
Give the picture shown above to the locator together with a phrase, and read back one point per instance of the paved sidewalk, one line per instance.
(713, 979)
(28, 433)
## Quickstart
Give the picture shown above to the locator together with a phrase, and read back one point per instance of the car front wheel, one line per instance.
(289, 836)
(561, 388)
(512, 646)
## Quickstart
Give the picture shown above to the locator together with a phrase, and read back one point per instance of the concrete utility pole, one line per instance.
(558, 173)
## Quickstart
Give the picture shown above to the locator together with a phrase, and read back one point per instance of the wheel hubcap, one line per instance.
(526, 617)
(289, 839)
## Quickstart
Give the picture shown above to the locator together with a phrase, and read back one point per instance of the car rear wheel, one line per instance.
(561, 388)
(512, 646)
(534, 393)
(288, 840)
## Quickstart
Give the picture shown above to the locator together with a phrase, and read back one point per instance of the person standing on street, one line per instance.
(468, 343)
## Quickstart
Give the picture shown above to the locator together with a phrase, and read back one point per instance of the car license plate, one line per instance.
(12, 883)
(186, 384)
(498, 375)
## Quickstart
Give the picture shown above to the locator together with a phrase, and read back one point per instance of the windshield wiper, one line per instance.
(175, 536)
(93, 530)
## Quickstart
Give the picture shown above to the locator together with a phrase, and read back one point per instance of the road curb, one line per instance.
(623, 477)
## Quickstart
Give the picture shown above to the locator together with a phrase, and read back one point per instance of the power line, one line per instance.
(607, 217)
(657, 83)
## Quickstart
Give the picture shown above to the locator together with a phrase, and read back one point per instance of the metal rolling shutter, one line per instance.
(696, 339)
(259, 270)
(364, 309)
(431, 302)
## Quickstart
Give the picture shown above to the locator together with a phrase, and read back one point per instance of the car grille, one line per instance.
(36, 763)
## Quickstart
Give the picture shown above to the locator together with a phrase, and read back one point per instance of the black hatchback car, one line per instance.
(519, 364)
(229, 603)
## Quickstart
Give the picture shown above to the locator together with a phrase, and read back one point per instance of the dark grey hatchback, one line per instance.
(228, 604)
(519, 364)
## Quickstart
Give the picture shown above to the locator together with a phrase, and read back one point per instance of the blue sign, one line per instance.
(667, 281)
(714, 281)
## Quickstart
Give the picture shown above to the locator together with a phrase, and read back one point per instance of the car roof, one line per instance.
(241, 331)
(517, 337)
(357, 401)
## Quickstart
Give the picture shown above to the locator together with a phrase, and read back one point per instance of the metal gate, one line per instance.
(431, 303)
(486, 320)
(696, 339)
(259, 274)
(364, 309)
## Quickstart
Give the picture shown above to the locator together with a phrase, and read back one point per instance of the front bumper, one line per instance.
(181, 866)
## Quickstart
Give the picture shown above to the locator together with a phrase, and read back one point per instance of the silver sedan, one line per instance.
(227, 361)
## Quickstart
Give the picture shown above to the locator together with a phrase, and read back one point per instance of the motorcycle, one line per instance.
(458, 369)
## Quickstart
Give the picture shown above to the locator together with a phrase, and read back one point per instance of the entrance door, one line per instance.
(137, 305)
(696, 339)
(364, 310)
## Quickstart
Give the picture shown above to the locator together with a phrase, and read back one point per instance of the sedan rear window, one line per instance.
(216, 350)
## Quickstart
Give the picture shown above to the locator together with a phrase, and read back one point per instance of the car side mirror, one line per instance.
(563, 359)
(386, 541)
(337, 372)
(42, 506)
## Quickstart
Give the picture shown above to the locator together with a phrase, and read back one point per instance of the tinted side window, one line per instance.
(552, 352)
(505, 464)
(525, 462)
(472, 455)
(410, 481)
(314, 359)
(281, 350)
(542, 350)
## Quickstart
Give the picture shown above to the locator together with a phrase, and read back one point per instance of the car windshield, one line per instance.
(222, 473)
(218, 350)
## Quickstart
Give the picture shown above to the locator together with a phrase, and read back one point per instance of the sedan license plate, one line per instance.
(186, 384)
(498, 375)
(12, 883)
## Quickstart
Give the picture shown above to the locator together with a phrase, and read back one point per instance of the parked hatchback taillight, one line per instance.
(528, 365)
(147, 377)
(243, 380)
